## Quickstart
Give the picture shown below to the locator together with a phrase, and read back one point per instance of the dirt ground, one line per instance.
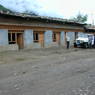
(54, 71)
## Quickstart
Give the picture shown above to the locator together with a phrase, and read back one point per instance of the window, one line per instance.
(15, 36)
(36, 37)
(54, 37)
(12, 38)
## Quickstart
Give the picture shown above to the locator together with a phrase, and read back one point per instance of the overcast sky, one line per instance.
(54, 8)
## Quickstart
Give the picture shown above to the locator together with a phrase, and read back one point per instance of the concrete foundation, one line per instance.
(13, 47)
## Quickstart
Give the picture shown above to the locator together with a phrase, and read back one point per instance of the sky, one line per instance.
(55, 8)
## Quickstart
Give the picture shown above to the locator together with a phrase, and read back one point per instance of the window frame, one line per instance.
(54, 37)
(36, 37)
(11, 39)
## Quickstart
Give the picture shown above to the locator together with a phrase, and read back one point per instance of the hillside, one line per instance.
(2, 8)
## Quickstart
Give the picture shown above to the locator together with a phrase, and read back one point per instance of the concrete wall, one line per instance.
(29, 44)
(3, 37)
(81, 34)
(4, 44)
(71, 35)
(62, 38)
(28, 40)
(48, 38)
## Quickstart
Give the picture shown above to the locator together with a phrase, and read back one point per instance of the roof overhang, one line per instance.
(43, 19)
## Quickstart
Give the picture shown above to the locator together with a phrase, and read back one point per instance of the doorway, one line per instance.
(58, 38)
(20, 40)
(16, 37)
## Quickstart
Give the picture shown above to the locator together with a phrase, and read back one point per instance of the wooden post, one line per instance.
(58, 37)
(41, 39)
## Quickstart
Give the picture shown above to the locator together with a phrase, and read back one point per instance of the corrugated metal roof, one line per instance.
(90, 27)
(46, 18)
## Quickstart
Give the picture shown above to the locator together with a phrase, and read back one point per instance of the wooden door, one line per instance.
(58, 37)
(20, 40)
(41, 38)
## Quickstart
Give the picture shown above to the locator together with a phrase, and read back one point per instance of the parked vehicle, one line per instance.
(82, 42)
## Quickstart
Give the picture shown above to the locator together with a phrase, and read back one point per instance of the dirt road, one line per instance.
(48, 72)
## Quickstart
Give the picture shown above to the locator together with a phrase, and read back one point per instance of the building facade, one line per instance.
(27, 32)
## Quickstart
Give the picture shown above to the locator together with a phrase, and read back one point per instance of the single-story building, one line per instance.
(90, 29)
(27, 32)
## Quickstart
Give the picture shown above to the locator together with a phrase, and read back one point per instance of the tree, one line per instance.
(80, 18)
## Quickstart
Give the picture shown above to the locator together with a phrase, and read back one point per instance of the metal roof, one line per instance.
(42, 18)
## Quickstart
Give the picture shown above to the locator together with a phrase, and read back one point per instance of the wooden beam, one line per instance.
(35, 28)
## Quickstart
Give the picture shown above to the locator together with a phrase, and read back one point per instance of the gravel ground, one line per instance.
(54, 71)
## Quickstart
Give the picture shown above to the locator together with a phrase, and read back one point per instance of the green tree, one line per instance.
(80, 18)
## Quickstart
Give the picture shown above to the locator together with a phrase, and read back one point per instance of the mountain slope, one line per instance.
(2, 8)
